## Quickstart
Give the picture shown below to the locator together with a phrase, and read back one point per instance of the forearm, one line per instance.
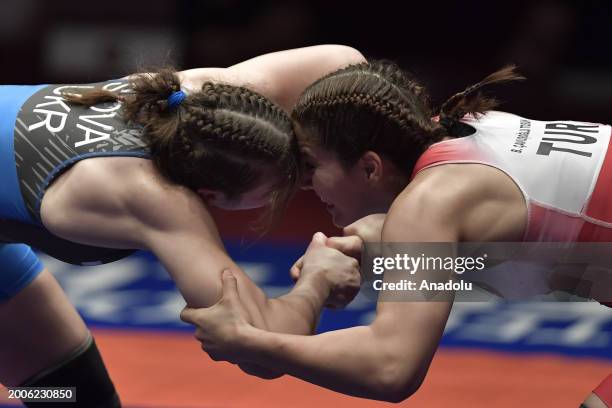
(298, 311)
(282, 76)
(386, 360)
(189, 247)
(352, 361)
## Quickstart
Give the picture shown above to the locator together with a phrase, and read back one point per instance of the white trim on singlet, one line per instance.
(582, 216)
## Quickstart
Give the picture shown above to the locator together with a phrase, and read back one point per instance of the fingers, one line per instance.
(188, 315)
(230, 291)
(342, 297)
(350, 229)
(354, 228)
(296, 269)
(294, 273)
(350, 246)
(368, 228)
(230, 285)
(318, 239)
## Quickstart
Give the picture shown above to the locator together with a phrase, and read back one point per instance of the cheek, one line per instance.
(249, 203)
(327, 183)
(320, 180)
(337, 190)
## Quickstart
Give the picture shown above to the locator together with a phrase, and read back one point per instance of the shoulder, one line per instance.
(164, 213)
(142, 193)
(451, 201)
(433, 198)
(127, 193)
(89, 202)
(90, 183)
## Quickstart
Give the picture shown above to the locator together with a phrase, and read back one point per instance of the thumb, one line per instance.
(350, 246)
(188, 315)
(296, 269)
(230, 285)
(356, 227)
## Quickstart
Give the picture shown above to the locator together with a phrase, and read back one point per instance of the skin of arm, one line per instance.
(385, 360)
(388, 359)
(280, 76)
(139, 209)
(82, 215)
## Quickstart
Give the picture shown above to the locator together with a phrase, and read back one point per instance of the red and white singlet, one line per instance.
(563, 168)
(604, 391)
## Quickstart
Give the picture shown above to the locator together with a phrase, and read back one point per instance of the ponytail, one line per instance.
(221, 137)
(472, 101)
(91, 97)
(147, 104)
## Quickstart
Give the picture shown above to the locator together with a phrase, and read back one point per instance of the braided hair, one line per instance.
(222, 137)
(378, 106)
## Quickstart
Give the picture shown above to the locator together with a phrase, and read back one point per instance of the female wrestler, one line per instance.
(131, 164)
(473, 175)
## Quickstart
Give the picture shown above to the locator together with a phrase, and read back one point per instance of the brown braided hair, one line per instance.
(223, 137)
(378, 106)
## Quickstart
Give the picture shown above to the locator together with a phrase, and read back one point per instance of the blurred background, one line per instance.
(561, 46)
(493, 354)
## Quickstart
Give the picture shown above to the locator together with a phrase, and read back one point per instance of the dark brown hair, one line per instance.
(378, 106)
(222, 137)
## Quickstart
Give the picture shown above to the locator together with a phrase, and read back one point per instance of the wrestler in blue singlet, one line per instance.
(41, 136)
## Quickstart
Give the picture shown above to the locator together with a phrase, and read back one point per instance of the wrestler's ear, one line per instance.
(371, 166)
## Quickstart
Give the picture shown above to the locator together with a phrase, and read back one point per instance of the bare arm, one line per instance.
(386, 360)
(377, 361)
(141, 210)
(187, 244)
(280, 76)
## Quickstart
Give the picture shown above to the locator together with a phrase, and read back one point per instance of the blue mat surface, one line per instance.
(136, 293)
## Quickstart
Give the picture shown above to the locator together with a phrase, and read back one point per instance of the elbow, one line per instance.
(351, 55)
(394, 383)
(345, 55)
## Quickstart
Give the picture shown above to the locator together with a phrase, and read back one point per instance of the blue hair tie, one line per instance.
(176, 98)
